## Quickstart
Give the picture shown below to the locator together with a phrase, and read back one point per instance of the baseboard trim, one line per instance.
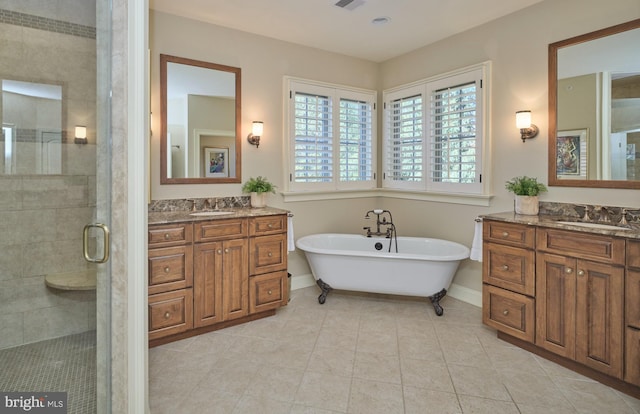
(465, 294)
(455, 291)
(302, 281)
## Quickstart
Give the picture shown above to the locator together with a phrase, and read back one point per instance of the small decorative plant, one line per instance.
(525, 186)
(258, 185)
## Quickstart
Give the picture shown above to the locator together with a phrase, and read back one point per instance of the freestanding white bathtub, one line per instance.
(422, 266)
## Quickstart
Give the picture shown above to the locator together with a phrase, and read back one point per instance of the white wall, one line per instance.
(517, 46)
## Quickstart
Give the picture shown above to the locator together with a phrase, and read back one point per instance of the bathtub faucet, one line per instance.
(381, 221)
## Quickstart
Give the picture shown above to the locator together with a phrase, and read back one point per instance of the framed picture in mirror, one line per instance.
(571, 150)
(216, 162)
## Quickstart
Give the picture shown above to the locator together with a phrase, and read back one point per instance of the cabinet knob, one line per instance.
(270, 225)
(226, 250)
(269, 292)
(505, 267)
(505, 312)
(568, 270)
(505, 234)
(166, 269)
(269, 254)
(580, 272)
(167, 315)
(166, 236)
(219, 251)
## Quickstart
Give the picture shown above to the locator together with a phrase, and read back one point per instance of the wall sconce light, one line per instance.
(256, 132)
(81, 135)
(523, 122)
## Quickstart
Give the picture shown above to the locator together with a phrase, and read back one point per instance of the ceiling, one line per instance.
(349, 30)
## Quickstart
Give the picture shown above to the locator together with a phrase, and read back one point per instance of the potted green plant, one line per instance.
(258, 188)
(526, 190)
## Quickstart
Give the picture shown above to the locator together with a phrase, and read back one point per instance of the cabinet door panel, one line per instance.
(235, 279)
(207, 281)
(555, 304)
(632, 357)
(632, 292)
(599, 316)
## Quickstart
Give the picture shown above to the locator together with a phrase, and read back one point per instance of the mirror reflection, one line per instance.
(594, 109)
(200, 119)
(31, 140)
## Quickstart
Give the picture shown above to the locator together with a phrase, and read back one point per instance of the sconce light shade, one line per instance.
(256, 132)
(81, 135)
(523, 123)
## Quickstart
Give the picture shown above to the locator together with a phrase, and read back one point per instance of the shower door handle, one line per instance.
(85, 243)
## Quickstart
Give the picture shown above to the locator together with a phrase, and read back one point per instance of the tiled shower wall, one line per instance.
(42, 216)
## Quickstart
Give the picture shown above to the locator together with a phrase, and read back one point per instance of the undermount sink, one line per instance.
(211, 213)
(593, 225)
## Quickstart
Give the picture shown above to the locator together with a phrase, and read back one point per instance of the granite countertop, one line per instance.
(553, 221)
(167, 217)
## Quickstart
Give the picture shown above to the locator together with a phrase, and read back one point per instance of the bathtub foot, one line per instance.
(325, 290)
(435, 301)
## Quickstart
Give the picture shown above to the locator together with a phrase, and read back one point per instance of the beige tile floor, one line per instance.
(363, 354)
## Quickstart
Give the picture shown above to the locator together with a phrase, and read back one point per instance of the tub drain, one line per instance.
(378, 246)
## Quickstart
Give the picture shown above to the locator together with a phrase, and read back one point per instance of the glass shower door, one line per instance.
(54, 179)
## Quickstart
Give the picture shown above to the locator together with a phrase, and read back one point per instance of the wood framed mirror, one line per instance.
(594, 109)
(200, 122)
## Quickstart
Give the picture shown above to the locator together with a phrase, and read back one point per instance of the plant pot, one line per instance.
(258, 200)
(527, 205)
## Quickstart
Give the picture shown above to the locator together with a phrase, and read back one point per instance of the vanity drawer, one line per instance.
(170, 268)
(260, 226)
(170, 313)
(267, 254)
(632, 294)
(509, 312)
(220, 230)
(582, 245)
(517, 235)
(268, 291)
(509, 267)
(633, 254)
(170, 235)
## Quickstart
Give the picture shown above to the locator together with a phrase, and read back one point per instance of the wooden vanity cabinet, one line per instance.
(509, 278)
(632, 314)
(210, 274)
(581, 291)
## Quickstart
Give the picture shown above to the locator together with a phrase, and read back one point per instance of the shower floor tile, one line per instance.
(66, 364)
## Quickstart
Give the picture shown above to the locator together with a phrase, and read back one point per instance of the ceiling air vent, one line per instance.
(349, 4)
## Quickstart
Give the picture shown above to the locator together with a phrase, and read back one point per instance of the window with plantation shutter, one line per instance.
(313, 139)
(331, 134)
(434, 133)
